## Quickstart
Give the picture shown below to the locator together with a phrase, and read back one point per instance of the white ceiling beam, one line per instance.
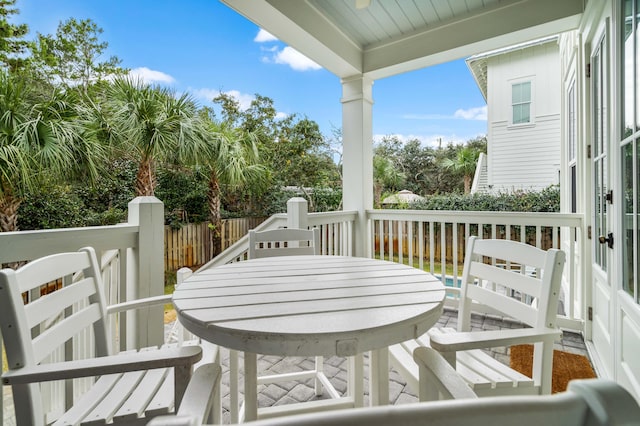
(303, 28)
(504, 26)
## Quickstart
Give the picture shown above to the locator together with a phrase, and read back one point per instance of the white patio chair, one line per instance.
(463, 348)
(284, 242)
(132, 386)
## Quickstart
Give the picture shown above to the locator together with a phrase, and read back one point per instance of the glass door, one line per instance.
(602, 314)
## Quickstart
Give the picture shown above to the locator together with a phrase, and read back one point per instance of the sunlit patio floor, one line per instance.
(336, 370)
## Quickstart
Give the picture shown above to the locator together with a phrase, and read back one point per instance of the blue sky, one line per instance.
(204, 47)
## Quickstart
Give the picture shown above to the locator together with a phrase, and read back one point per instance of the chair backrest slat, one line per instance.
(48, 269)
(507, 305)
(45, 308)
(505, 277)
(49, 340)
(513, 251)
(283, 242)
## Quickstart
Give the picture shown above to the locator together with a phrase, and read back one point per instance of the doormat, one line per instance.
(566, 366)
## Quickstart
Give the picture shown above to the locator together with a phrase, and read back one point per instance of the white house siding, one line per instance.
(524, 156)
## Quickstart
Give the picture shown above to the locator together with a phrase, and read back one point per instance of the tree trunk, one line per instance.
(9, 205)
(9, 211)
(467, 184)
(146, 178)
(377, 194)
(214, 200)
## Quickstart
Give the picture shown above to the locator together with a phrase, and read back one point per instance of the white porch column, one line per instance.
(357, 153)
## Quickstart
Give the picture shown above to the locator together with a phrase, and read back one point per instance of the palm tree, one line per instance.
(465, 163)
(385, 175)
(39, 139)
(152, 125)
(234, 162)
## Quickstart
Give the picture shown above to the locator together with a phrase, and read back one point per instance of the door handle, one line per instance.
(608, 239)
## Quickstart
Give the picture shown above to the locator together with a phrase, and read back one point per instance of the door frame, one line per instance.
(601, 282)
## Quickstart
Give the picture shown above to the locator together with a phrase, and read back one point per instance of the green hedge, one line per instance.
(547, 200)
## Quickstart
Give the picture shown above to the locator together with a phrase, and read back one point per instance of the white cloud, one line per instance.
(478, 113)
(281, 115)
(286, 55)
(296, 60)
(207, 94)
(264, 36)
(150, 76)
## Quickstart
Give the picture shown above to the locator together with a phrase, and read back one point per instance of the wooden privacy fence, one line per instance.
(191, 245)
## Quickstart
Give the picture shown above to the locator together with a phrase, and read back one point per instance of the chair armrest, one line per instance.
(139, 303)
(453, 342)
(435, 370)
(122, 363)
(198, 399)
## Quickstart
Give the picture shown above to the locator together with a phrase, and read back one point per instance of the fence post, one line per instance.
(145, 275)
(297, 209)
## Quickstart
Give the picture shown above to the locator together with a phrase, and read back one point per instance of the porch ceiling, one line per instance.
(393, 36)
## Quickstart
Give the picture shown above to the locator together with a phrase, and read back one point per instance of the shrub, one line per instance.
(184, 194)
(547, 200)
(51, 207)
(111, 216)
(112, 191)
(326, 199)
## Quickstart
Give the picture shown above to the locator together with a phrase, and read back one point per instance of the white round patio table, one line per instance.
(308, 306)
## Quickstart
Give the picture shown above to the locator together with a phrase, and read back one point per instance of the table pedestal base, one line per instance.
(378, 388)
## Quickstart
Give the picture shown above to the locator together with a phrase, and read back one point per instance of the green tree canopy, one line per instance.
(74, 55)
(292, 149)
(12, 43)
(427, 168)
